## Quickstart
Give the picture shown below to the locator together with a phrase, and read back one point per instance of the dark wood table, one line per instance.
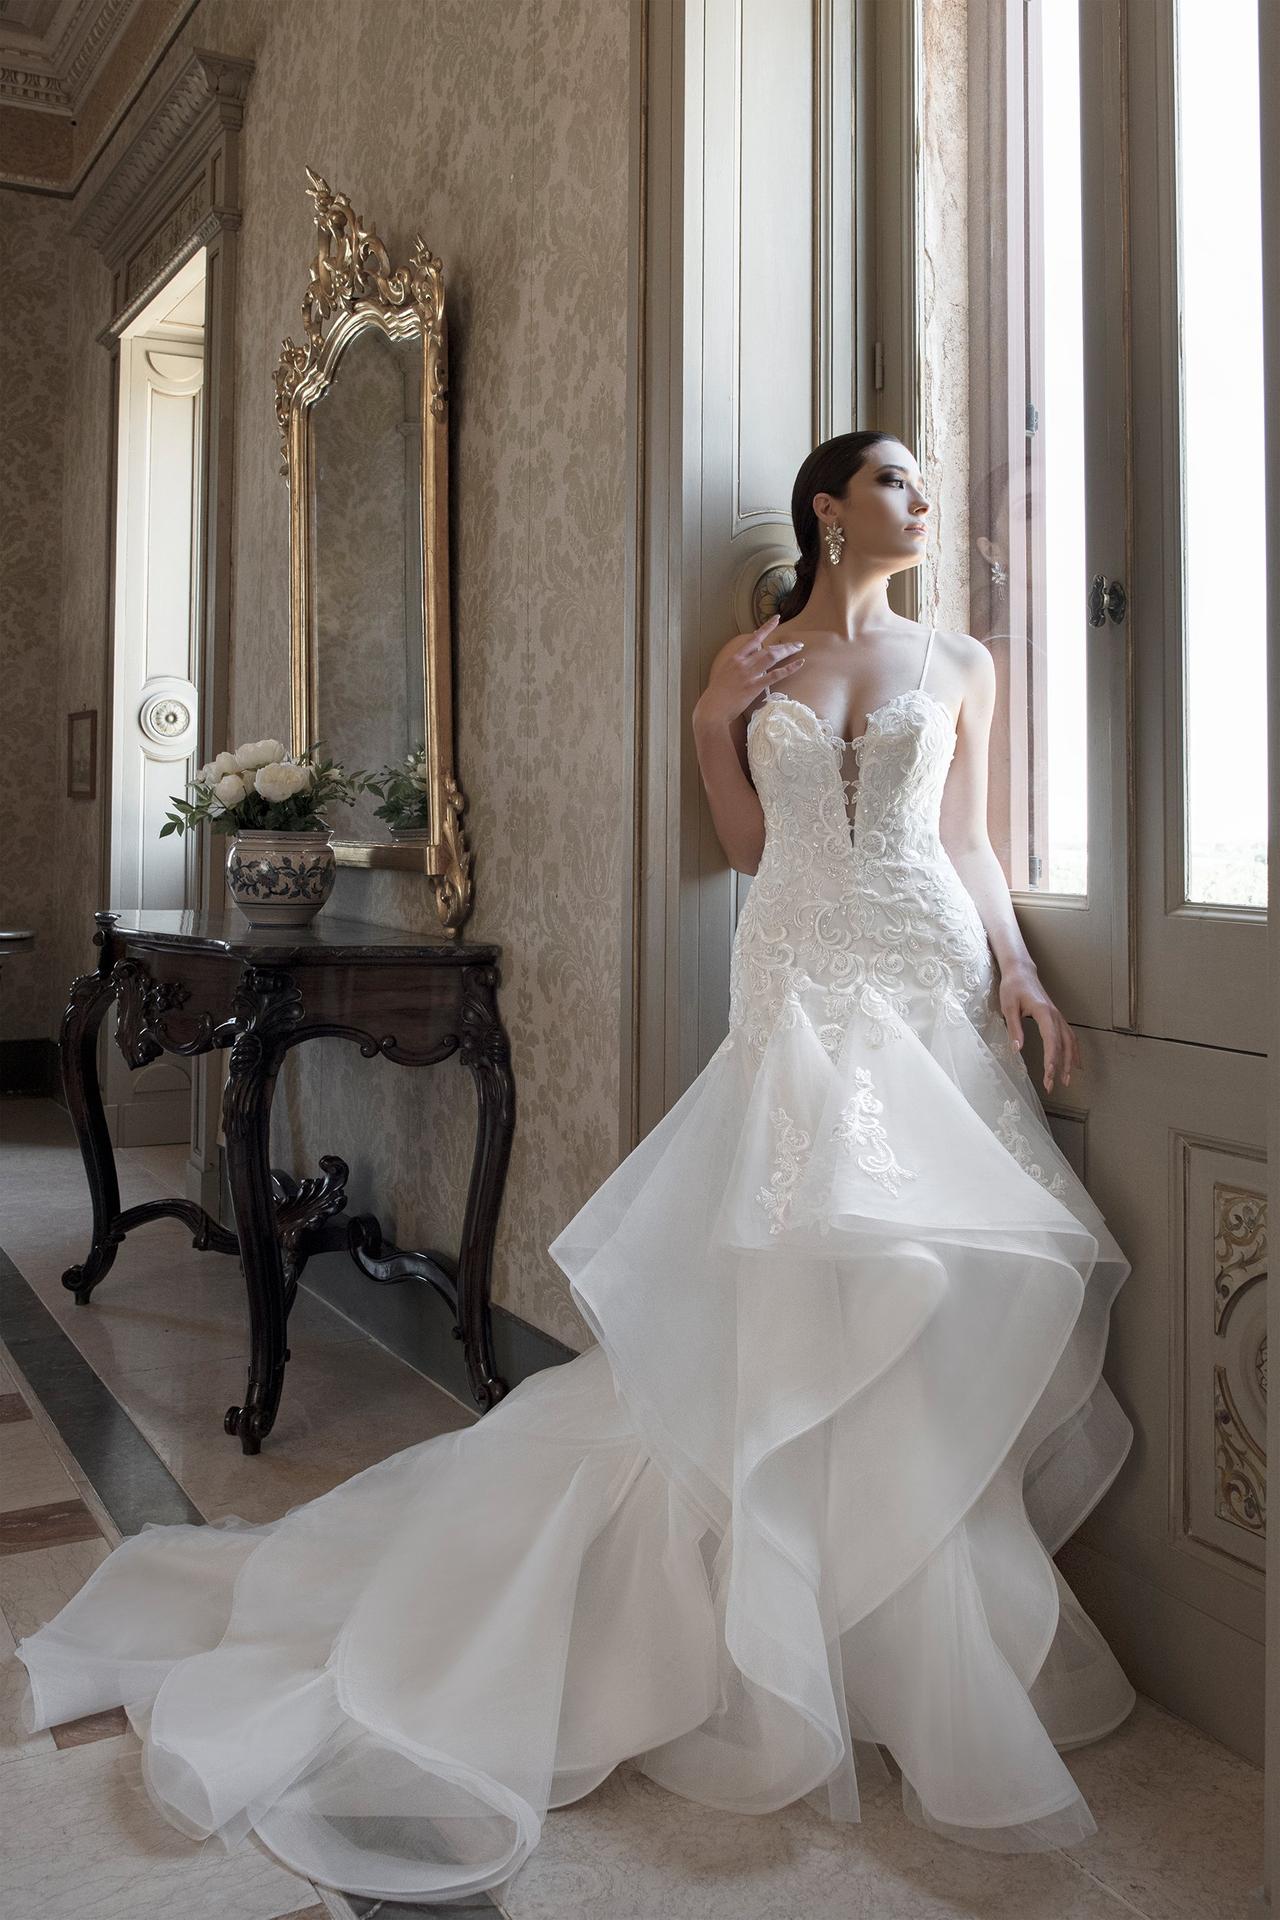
(186, 983)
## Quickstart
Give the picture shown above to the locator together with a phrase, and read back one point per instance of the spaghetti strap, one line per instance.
(925, 668)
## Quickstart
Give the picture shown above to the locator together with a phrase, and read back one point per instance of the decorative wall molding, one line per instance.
(1240, 1371)
(1219, 1425)
(175, 186)
(210, 85)
(52, 67)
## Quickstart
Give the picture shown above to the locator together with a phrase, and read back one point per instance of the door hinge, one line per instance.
(1033, 869)
(877, 377)
(1033, 419)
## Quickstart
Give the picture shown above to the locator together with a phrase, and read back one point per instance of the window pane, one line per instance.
(1223, 475)
(1057, 613)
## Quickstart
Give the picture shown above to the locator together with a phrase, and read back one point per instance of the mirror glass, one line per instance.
(366, 588)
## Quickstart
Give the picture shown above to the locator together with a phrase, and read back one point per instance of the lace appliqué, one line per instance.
(858, 1127)
(854, 892)
(857, 1130)
(1010, 1133)
(790, 1144)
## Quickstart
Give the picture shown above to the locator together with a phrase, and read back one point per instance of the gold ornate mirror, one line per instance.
(363, 413)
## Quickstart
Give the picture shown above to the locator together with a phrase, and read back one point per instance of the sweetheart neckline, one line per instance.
(828, 731)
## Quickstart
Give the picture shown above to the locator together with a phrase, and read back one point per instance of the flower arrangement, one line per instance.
(402, 788)
(260, 788)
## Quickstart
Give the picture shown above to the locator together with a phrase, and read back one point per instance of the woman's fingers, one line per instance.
(756, 640)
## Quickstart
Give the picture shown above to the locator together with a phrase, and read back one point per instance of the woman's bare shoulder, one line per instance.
(966, 671)
(971, 658)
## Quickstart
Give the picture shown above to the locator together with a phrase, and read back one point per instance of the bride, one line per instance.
(796, 1507)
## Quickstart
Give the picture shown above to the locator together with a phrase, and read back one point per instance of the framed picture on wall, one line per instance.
(82, 755)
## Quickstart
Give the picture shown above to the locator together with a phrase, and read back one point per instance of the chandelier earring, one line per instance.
(833, 534)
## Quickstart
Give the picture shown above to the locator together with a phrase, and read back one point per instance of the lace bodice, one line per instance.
(855, 892)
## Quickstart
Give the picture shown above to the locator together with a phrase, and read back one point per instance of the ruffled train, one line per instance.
(798, 1503)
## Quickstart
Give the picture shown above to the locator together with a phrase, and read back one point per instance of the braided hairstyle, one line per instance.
(827, 469)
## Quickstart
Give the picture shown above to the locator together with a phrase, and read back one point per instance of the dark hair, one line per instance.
(828, 469)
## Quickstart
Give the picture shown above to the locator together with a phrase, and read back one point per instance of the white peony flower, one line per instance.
(260, 753)
(280, 780)
(230, 789)
(207, 774)
(225, 763)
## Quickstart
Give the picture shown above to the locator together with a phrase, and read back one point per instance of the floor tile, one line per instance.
(15, 1742)
(35, 1586)
(169, 1345)
(31, 1473)
(80, 1837)
(90, 1726)
(1179, 1818)
(127, 1475)
(336, 1418)
(632, 1851)
(24, 1529)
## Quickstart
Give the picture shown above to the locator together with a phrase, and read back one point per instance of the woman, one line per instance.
(798, 1502)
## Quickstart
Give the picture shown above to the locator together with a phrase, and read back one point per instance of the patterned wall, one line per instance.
(32, 771)
(469, 119)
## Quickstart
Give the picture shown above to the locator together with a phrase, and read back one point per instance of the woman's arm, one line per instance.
(744, 668)
(735, 806)
(964, 833)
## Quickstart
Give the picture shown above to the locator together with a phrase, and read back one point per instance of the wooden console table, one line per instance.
(188, 982)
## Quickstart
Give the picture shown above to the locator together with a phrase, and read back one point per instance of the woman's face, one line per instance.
(884, 511)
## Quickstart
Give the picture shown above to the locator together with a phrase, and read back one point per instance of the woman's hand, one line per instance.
(1021, 997)
(742, 667)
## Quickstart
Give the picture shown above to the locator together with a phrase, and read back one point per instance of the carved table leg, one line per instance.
(78, 1044)
(486, 1053)
(268, 1006)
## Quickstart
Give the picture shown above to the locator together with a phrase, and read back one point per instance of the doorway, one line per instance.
(157, 665)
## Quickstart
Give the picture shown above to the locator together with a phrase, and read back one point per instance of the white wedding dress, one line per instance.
(851, 1304)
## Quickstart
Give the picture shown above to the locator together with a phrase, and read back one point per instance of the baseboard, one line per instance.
(410, 1319)
(30, 1066)
(1196, 1666)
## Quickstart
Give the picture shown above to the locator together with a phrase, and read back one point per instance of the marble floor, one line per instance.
(111, 1415)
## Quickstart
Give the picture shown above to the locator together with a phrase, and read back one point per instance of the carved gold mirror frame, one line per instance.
(353, 286)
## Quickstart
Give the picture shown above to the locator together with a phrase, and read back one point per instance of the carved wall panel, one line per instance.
(1223, 1340)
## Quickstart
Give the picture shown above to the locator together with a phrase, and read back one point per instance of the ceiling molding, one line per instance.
(51, 50)
(207, 95)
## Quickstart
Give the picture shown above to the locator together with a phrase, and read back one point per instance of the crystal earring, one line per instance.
(833, 534)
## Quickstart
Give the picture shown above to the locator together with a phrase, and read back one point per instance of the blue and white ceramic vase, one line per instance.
(280, 879)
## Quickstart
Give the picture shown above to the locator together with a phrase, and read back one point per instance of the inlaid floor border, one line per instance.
(124, 1483)
(123, 1469)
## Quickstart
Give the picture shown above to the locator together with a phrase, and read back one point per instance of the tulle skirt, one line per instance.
(798, 1504)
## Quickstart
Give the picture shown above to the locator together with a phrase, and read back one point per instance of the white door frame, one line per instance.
(153, 1104)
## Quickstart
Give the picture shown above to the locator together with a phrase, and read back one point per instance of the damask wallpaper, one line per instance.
(497, 128)
(33, 340)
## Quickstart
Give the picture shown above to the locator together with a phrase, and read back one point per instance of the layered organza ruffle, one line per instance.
(798, 1503)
